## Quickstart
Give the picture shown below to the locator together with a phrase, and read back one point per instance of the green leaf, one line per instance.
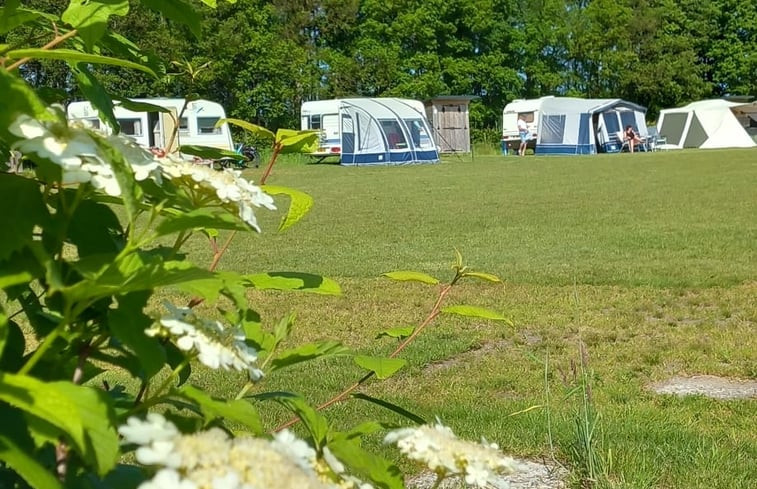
(381, 366)
(247, 126)
(12, 17)
(18, 220)
(176, 357)
(12, 345)
(134, 272)
(128, 323)
(483, 276)
(73, 56)
(96, 94)
(411, 276)
(81, 413)
(291, 141)
(178, 11)
(392, 407)
(99, 422)
(283, 328)
(366, 428)
(213, 284)
(310, 351)
(301, 203)
(314, 422)
(205, 217)
(4, 330)
(90, 17)
(478, 312)
(18, 98)
(239, 410)
(458, 259)
(293, 281)
(21, 267)
(380, 471)
(399, 332)
(122, 477)
(140, 106)
(106, 237)
(254, 333)
(209, 153)
(17, 451)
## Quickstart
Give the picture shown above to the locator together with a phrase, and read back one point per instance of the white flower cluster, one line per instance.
(76, 152)
(216, 345)
(440, 450)
(227, 185)
(212, 460)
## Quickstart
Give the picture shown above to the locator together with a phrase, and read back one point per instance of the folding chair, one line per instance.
(654, 139)
(622, 142)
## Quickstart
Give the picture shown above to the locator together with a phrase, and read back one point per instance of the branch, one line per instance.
(435, 311)
(49, 45)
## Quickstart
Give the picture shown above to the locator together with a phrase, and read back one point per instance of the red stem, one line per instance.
(435, 311)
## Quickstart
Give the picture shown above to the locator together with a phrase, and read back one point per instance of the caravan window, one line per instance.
(131, 127)
(206, 125)
(527, 116)
(315, 121)
(91, 123)
(552, 128)
(184, 126)
(394, 135)
(418, 134)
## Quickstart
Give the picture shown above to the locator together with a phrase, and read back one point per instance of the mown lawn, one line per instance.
(649, 260)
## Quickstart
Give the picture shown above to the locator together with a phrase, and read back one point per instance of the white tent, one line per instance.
(708, 124)
(371, 131)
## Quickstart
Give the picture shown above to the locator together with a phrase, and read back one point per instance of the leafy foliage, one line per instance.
(94, 233)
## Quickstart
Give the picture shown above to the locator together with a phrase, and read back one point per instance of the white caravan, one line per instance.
(529, 109)
(155, 129)
(370, 130)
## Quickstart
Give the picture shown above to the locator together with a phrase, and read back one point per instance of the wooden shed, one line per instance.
(448, 117)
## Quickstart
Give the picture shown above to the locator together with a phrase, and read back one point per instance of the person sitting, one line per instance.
(633, 139)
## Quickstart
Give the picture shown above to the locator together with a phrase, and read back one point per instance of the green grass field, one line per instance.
(650, 260)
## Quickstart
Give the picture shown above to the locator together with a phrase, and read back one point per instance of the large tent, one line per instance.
(708, 124)
(371, 131)
(569, 125)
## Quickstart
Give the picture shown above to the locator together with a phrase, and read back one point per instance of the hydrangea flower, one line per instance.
(75, 150)
(216, 345)
(226, 185)
(211, 459)
(440, 450)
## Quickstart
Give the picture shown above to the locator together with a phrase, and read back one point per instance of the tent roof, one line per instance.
(590, 105)
(573, 104)
(386, 108)
(714, 104)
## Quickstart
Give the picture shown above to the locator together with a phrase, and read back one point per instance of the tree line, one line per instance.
(262, 59)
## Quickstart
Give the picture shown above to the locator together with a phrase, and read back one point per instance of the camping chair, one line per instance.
(654, 140)
(622, 142)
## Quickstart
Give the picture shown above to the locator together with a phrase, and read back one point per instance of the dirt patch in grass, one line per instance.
(533, 475)
(707, 385)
